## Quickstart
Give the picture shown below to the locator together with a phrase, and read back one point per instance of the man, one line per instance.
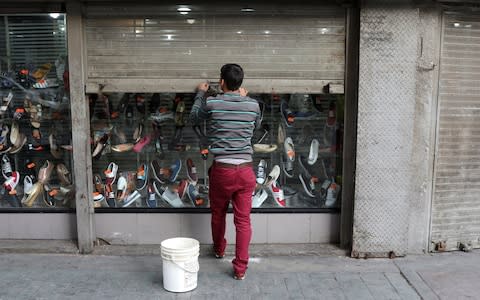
(231, 118)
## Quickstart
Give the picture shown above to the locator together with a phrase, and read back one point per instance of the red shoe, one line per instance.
(142, 143)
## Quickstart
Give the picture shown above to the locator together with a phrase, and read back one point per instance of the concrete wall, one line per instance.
(395, 135)
(424, 130)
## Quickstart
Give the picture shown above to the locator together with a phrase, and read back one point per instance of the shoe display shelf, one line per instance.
(35, 144)
(151, 132)
(311, 180)
(155, 150)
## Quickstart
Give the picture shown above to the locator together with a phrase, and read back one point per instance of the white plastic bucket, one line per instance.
(180, 264)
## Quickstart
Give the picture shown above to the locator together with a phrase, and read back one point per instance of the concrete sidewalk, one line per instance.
(72, 276)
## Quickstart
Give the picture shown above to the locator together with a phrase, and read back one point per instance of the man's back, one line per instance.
(232, 119)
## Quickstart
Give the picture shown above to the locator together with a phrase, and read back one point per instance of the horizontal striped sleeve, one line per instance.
(199, 111)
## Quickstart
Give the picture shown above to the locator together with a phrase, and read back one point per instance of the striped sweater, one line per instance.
(231, 120)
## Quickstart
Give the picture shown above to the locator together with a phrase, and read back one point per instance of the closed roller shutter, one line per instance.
(456, 203)
(156, 49)
(33, 40)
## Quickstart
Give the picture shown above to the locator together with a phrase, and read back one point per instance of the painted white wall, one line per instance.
(267, 228)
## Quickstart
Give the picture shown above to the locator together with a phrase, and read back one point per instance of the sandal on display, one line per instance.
(45, 172)
(64, 175)
(34, 192)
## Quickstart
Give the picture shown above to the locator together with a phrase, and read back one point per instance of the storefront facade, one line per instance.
(137, 61)
(317, 70)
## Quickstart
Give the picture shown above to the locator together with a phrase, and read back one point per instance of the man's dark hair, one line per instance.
(232, 74)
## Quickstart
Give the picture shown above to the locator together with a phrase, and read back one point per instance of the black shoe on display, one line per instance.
(307, 180)
(154, 103)
(140, 103)
(129, 114)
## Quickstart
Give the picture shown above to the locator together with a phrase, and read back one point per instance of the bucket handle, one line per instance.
(197, 267)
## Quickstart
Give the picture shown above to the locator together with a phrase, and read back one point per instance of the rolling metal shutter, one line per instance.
(33, 40)
(456, 198)
(151, 49)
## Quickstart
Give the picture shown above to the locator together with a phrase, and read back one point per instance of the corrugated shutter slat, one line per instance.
(456, 204)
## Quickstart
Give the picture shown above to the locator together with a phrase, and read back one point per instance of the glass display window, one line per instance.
(35, 120)
(146, 154)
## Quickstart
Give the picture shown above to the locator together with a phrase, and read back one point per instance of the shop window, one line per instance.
(146, 154)
(35, 137)
(144, 150)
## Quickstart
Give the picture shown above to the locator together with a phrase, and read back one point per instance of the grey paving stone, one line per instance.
(353, 286)
(379, 286)
(465, 283)
(419, 285)
(33, 276)
(404, 290)
(325, 286)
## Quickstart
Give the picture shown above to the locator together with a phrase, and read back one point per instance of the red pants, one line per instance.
(236, 184)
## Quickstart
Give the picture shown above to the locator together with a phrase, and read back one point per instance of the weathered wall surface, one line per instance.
(394, 142)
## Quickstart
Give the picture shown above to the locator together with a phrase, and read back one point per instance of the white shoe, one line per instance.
(261, 170)
(272, 176)
(130, 199)
(168, 195)
(278, 195)
(313, 154)
(259, 197)
(289, 150)
(332, 194)
(264, 148)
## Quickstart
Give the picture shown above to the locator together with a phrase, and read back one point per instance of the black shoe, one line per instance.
(154, 103)
(140, 103)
